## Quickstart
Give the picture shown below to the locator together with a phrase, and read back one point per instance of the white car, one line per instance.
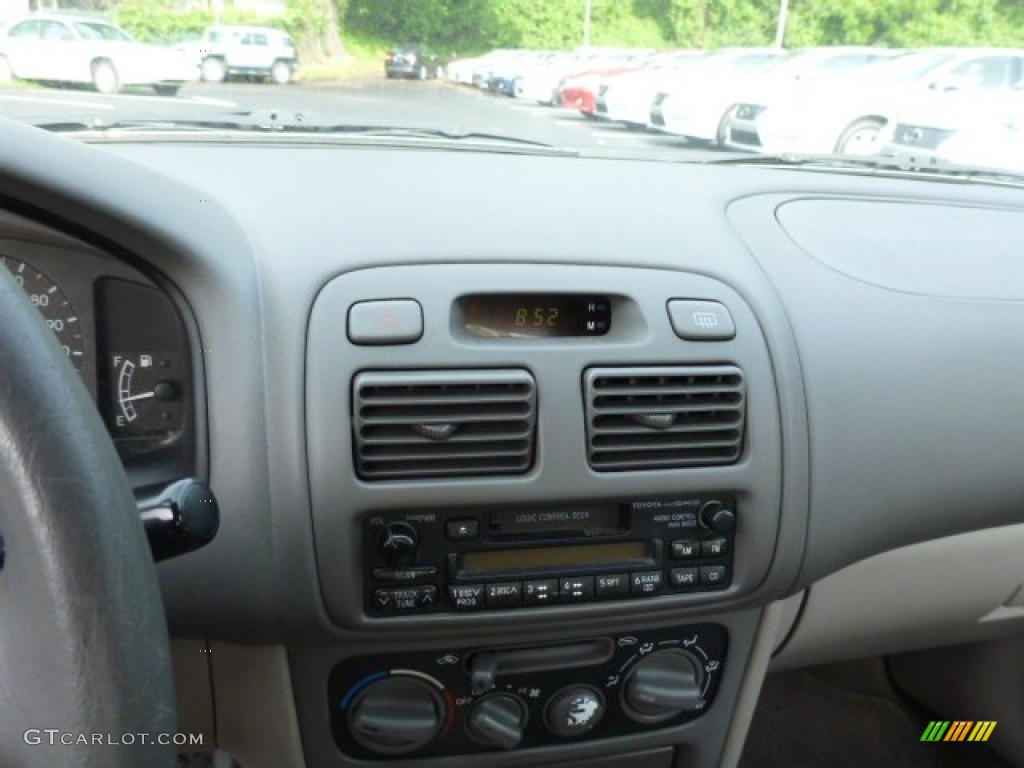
(72, 49)
(849, 120)
(245, 51)
(627, 98)
(461, 70)
(540, 82)
(697, 99)
(789, 81)
(488, 63)
(976, 128)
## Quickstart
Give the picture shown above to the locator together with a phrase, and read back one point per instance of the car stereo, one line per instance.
(483, 558)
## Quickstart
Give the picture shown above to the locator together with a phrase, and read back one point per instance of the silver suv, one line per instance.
(247, 51)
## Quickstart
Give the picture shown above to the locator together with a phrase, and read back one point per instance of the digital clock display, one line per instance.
(535, 315)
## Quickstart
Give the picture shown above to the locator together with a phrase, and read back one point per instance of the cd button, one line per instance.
(466, 597)
(646, 582)
(503, 593)
(540, 591)
(577, 589)
(712, 575)
(611, 585)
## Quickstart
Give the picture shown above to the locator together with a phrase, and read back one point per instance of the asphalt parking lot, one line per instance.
(413, 104)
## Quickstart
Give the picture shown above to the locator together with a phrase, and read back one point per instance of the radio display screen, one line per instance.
(535, 315)
(589, 521)
(624, 553)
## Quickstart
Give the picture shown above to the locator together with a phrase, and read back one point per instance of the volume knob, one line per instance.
(398, 544)
(718, 517)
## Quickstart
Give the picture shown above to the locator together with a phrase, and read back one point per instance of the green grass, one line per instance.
(14, 83)
(364, 57)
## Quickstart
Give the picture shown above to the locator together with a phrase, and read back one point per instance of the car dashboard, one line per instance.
(547, 459)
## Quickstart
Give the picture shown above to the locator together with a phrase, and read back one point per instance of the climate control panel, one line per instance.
(470, 700)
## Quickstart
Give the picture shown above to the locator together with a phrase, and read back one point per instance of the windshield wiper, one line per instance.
(296, 123)
(905, 167)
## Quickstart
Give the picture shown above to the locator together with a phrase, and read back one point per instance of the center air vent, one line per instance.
(424, 424)
(658, 418)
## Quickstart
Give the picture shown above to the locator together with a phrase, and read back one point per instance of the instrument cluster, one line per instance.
(127, 340)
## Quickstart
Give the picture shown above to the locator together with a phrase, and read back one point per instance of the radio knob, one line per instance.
(396, 715)
(398, 544)
(665, 684)
(718, 517)
(497, 719)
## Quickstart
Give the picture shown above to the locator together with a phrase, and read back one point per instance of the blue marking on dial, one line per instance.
(359, 686)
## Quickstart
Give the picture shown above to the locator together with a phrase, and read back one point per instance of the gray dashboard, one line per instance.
(875, 326)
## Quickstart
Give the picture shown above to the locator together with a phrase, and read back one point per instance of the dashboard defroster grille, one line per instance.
(660, 418)
(427, 424)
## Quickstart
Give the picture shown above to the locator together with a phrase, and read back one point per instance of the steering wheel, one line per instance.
(85, 666)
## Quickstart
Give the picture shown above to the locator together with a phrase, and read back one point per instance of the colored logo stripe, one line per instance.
(958, 730)
(982, 730)
(935, 730)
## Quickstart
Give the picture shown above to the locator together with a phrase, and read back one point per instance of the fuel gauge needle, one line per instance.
(143, 396)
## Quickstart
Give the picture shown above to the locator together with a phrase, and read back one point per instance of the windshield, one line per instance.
(535, 73)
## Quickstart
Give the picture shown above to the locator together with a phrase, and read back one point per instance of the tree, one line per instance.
(315, 25)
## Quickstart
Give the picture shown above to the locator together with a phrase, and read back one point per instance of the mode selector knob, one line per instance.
(663, 685)
(398, 544)
(396, 715)
(497, 720)
(718, 517)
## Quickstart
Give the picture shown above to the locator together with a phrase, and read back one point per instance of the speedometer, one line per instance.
(53, 304)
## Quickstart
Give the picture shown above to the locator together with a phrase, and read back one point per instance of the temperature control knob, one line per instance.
(663, 685)
(398, 544)
(498, 720)
(396, 715)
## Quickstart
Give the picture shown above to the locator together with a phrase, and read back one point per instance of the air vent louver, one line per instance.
(426, 424)
(659, 418)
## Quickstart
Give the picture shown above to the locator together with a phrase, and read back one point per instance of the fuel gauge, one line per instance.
(145, 379)
(147, 394)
